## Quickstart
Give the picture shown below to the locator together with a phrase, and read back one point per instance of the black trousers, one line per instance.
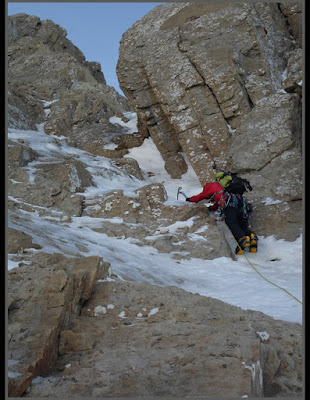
(236, 222)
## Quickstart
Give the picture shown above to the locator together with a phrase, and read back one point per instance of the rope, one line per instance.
(267, 280)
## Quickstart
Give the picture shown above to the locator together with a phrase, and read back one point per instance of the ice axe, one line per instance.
(180, 192)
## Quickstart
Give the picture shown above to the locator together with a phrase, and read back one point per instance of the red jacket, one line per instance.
(208, 190)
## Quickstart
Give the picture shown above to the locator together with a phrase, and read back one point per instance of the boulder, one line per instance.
(20, 155)
(43, 297)
(18, 241)
(56, 185)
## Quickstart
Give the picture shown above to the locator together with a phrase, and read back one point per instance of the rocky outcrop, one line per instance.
(19, 241)
(56, 185)
(57, 191)
(51, 82)
(221, 83)
(184, 231)
(54, 188)
(153, 341)
(43, 299)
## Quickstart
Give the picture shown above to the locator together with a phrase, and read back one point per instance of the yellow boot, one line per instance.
(253, 243)
(243, 243)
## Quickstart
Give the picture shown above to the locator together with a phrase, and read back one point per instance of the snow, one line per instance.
(42, 381)
(99, 310)
(230, 130)
(234, 282)
(263, 335)
(284, 74)
(177, 225)
(130, 126)
(269, 201)
(153, 311)
(122, 314)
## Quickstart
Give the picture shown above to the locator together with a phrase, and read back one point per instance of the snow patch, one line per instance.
(42, 381)
(75, 183)
(269, 201)
(130, 126)
(263, 335)
(177, 225)
(12, 374)
(153, 311)
(99, 310)
(122, 314)
(230, 130)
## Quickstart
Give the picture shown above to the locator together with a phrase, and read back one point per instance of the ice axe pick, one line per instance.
(180, 192)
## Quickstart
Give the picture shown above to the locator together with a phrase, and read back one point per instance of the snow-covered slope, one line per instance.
(235, 282)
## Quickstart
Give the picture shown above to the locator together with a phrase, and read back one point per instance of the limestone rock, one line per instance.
(256, 138)
(42, 300)
(20, 155)
(293, 12)
(147, 219)
(73, 342)
(293, 80)
(18, 241)
(222, 84)
(83, 116)
(129, 165)
(129, 141)
(49, 78)
(58, 185)
(166, 342)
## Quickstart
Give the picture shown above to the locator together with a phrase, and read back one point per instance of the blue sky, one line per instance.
(95, 28)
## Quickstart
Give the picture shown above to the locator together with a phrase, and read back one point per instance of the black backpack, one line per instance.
(232, 183)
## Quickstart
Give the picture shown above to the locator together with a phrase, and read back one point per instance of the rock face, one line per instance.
(50, 82)
(43, 298)
(153, 341)
(76, 329)
(221, 83)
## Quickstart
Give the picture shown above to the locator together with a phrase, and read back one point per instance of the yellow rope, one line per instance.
(279, 287)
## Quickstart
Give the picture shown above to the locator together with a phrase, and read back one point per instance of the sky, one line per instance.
(95, 28)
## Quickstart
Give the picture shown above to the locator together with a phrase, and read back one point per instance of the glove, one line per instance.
(188, 199)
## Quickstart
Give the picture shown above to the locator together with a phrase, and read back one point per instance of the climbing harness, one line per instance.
(233, 200)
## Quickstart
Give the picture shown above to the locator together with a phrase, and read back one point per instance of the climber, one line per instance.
(234, 209)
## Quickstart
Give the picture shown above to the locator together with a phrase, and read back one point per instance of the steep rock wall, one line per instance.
(219, 85)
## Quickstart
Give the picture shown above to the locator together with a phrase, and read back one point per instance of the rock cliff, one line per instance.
(220, 85)
(204, 87)
(51, 82)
